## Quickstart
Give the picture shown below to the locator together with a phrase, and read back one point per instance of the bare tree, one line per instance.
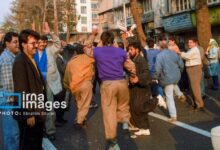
(137, 19)
(203, 25)
(56, 29)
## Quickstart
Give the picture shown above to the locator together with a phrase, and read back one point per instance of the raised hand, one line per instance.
(46, 28)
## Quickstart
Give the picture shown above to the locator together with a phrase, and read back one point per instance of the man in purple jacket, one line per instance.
(114, 88)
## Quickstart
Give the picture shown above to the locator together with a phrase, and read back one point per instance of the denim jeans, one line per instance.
(157, 90)
(169, 89)
(177, 90)
(10, 130)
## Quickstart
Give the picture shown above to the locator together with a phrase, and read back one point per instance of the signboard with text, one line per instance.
(178, 22)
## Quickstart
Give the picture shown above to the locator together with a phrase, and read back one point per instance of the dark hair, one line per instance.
(121, 45)
(193, 39)
(172, 39)
(43, 38)
(23, 37)
(107, 38)
(136, 45)
(150, 43)
(8, 37)
(79, 49)
(163, 45)
(162, 38)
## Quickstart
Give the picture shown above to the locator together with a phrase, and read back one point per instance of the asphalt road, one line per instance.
(164, 135)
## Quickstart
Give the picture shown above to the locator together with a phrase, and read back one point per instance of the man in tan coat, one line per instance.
(78, 79)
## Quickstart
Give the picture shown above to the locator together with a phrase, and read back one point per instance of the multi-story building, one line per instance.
(170, 17)
(179, 18)
(95, 9)
(106, 16)
(87, 10)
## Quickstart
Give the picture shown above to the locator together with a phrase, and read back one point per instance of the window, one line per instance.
(94, 5)
(82, 1)
(83, 20)
(83, 9)
(94, 16)
(179, 5)
(128, 12)
(84, 29)
(147, 5)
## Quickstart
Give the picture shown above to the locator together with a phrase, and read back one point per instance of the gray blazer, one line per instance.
(53, 76)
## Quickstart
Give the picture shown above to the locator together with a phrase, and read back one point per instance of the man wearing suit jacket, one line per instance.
(28, 79)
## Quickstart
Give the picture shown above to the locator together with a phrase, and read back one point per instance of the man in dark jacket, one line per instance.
(29, 81)
(141, 102)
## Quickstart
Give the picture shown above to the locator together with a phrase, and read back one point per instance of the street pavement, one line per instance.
(192, 131)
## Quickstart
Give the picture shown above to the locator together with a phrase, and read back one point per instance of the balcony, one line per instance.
(213, 2)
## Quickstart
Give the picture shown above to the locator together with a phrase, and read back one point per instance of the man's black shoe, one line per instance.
(58, 124)
(62, 121)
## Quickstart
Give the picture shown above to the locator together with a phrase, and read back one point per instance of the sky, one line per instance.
(4, 9)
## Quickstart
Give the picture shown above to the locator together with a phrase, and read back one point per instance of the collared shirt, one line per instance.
(192, 57)
(6, 63)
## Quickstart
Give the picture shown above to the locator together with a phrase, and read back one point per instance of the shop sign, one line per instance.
(130, 21)
(177, 22)
(147, 17)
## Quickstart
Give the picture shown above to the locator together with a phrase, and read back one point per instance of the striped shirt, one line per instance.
(6, 79)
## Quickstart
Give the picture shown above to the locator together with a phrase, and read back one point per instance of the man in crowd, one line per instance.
(194, 71)
(45, 59)
(10, 128)
(28, 79)
(141, 100)
(151, 55)
(114, 87)
(78, 79)
(168, 72)
(1, 43)
(177, 90)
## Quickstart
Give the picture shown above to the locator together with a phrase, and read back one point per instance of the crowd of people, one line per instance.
(132, 80)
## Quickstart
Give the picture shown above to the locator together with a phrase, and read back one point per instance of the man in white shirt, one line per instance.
(194, 70)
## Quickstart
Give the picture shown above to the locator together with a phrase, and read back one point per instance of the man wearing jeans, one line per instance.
(168, 71)
(9, 125)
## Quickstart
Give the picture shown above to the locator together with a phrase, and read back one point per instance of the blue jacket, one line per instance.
(168, 67)
(151, 56)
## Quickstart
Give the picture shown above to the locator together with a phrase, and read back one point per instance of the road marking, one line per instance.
(183, 125)
(213, 99)
(47, 145)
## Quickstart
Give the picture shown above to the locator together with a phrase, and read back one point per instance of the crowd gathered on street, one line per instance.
(133, 80)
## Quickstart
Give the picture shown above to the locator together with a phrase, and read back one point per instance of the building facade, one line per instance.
(87, 10)
(170, 17)
(179, 18)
